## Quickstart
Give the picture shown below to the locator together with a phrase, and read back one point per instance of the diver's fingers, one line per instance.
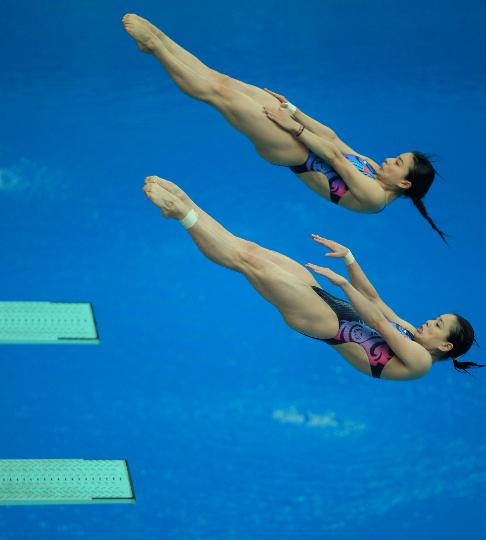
(274, 94)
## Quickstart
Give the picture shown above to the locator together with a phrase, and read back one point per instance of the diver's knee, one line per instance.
(250, 255)
(223, 85)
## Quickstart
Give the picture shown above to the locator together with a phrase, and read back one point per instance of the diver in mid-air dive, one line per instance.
(364, 330)
(284, 135)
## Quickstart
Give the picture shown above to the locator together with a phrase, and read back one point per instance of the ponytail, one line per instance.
(462, 337)
(421, 175)
(420, 206)
(463, 366)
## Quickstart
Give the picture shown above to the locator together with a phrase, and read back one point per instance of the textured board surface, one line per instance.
(65, 481)
(47, 323)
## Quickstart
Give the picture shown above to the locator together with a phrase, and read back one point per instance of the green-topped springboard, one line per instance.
(65, 481)
(47, 323)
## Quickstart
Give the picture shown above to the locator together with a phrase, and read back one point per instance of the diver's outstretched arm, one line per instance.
(367, 310)
(316, 127)
(360, 281)
(324, 131)
(356, 274)
(415, 357)
(412, 354)
(366, 191)
(319, 129)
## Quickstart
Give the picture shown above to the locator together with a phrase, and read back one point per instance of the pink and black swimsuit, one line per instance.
(353, 330)
(337, 186)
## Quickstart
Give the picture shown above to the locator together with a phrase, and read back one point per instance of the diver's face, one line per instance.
(393, 170)
(433, 333)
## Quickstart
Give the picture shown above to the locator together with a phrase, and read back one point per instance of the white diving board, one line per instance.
(65, 481)
(47, 323)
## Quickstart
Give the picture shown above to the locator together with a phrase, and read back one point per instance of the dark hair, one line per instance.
(422, 175)
(462, 337)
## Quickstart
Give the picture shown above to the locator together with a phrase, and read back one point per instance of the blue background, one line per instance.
(234, 426)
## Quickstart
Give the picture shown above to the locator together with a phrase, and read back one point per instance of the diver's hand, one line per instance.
(281, 98)
(282, 117)
(329, 274)
(337, 250)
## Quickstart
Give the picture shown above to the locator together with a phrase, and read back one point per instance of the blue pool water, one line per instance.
(234, 426)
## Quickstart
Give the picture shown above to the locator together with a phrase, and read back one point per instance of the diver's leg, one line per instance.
(298, 304)
(179, 52)
(205, 71)
(286, 263)
(187, 80)
(242, 111)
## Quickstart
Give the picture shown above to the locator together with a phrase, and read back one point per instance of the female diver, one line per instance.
(365, 331)
(313, 151)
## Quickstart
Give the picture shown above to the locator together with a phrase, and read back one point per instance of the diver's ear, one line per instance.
(446, 347)
(405, 184)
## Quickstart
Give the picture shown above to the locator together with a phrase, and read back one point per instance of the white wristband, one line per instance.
(348, 258)
(291, 107)
(190, 219)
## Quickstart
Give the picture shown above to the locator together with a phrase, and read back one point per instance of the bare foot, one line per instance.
(140, 32)
(175, 190)
(156, 31)
(170, 204)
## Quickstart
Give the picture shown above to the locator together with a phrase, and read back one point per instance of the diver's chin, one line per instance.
(385, 181)
(418, 338)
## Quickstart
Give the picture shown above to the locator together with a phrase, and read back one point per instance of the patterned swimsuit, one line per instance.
(353, 330)
(337, 186)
